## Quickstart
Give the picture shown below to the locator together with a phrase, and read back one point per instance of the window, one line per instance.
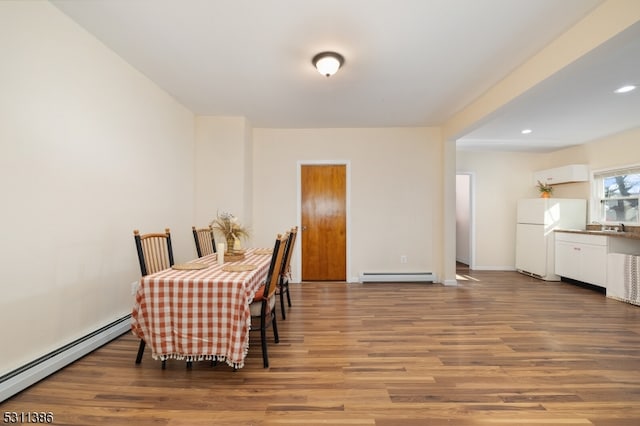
(617, 193)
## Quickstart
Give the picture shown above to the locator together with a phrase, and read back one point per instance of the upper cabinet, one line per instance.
(564, 174)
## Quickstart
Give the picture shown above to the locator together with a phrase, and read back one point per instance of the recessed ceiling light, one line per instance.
(625, 89)
(526, 131)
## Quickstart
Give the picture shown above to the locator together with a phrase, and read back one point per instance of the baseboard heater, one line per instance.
(25, 376)
(394, 277)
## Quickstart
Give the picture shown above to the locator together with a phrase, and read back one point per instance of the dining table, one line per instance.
(199, 310)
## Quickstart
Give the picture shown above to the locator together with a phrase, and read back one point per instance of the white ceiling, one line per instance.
(407, 62)
(574, 106)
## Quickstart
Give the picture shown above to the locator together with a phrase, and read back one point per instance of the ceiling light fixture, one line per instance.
(327, 63)
(526, 131)
(625, 89)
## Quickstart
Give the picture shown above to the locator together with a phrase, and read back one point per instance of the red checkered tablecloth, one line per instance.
(199, 314)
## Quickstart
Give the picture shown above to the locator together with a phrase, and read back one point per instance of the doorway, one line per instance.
(323, 217)
(464, 220)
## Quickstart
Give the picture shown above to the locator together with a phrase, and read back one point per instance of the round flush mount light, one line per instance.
(327, 63)
(625, 89)
(526, 131)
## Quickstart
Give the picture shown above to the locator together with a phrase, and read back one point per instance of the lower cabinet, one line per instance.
(581, 257)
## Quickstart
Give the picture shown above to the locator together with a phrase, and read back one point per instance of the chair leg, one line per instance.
(140, 351)
(189, 364)
(288, 295)
(275, 328)
(284, 315)
(263, 338)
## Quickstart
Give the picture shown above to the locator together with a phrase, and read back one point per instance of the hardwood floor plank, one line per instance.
(499, 349)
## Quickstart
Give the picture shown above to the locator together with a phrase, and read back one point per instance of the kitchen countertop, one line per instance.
(632, 234)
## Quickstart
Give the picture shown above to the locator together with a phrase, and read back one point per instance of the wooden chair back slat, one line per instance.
(205, 241)
(155, 252)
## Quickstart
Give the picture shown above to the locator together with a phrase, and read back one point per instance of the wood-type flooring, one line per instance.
(499, 349)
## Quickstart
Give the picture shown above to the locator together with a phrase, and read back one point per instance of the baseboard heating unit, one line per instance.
(25, 376)
(397, 277)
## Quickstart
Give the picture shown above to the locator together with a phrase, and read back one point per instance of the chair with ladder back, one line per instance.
(263, 306)
(205, 241)
(285, 273)
(155, 253)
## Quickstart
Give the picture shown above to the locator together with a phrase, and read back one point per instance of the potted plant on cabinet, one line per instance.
(545, 190)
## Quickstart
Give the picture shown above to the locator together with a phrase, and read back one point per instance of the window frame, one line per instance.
(598, 198)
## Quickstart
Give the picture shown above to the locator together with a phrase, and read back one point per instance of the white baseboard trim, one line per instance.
(494, 268)
(25, 376)
(397, 277)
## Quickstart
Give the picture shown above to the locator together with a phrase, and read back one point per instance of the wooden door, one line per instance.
(324, 224)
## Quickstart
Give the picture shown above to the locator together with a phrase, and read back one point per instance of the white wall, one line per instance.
(89, 150)
(395, 191)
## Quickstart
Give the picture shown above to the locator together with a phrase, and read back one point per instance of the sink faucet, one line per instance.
(622, 228)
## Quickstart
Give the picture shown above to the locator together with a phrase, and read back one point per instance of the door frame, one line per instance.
(297, 271)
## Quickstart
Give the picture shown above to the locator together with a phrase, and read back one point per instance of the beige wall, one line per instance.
(618, 150)
(395, 179)
(612, 151)
(223, 175)
(89, 150)
(501, 179)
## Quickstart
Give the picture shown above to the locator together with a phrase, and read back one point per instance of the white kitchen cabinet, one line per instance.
(564, 174)
(567, 263)
(593, 266)
(582, 257)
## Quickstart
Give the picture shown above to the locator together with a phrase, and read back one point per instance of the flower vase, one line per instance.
(230, 243)
(545, 194)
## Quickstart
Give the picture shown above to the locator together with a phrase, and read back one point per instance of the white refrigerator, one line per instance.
(535, 242)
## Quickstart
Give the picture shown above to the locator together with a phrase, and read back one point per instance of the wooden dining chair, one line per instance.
(155, 253)
(285, 273)
(263, 306)
(205, 241)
